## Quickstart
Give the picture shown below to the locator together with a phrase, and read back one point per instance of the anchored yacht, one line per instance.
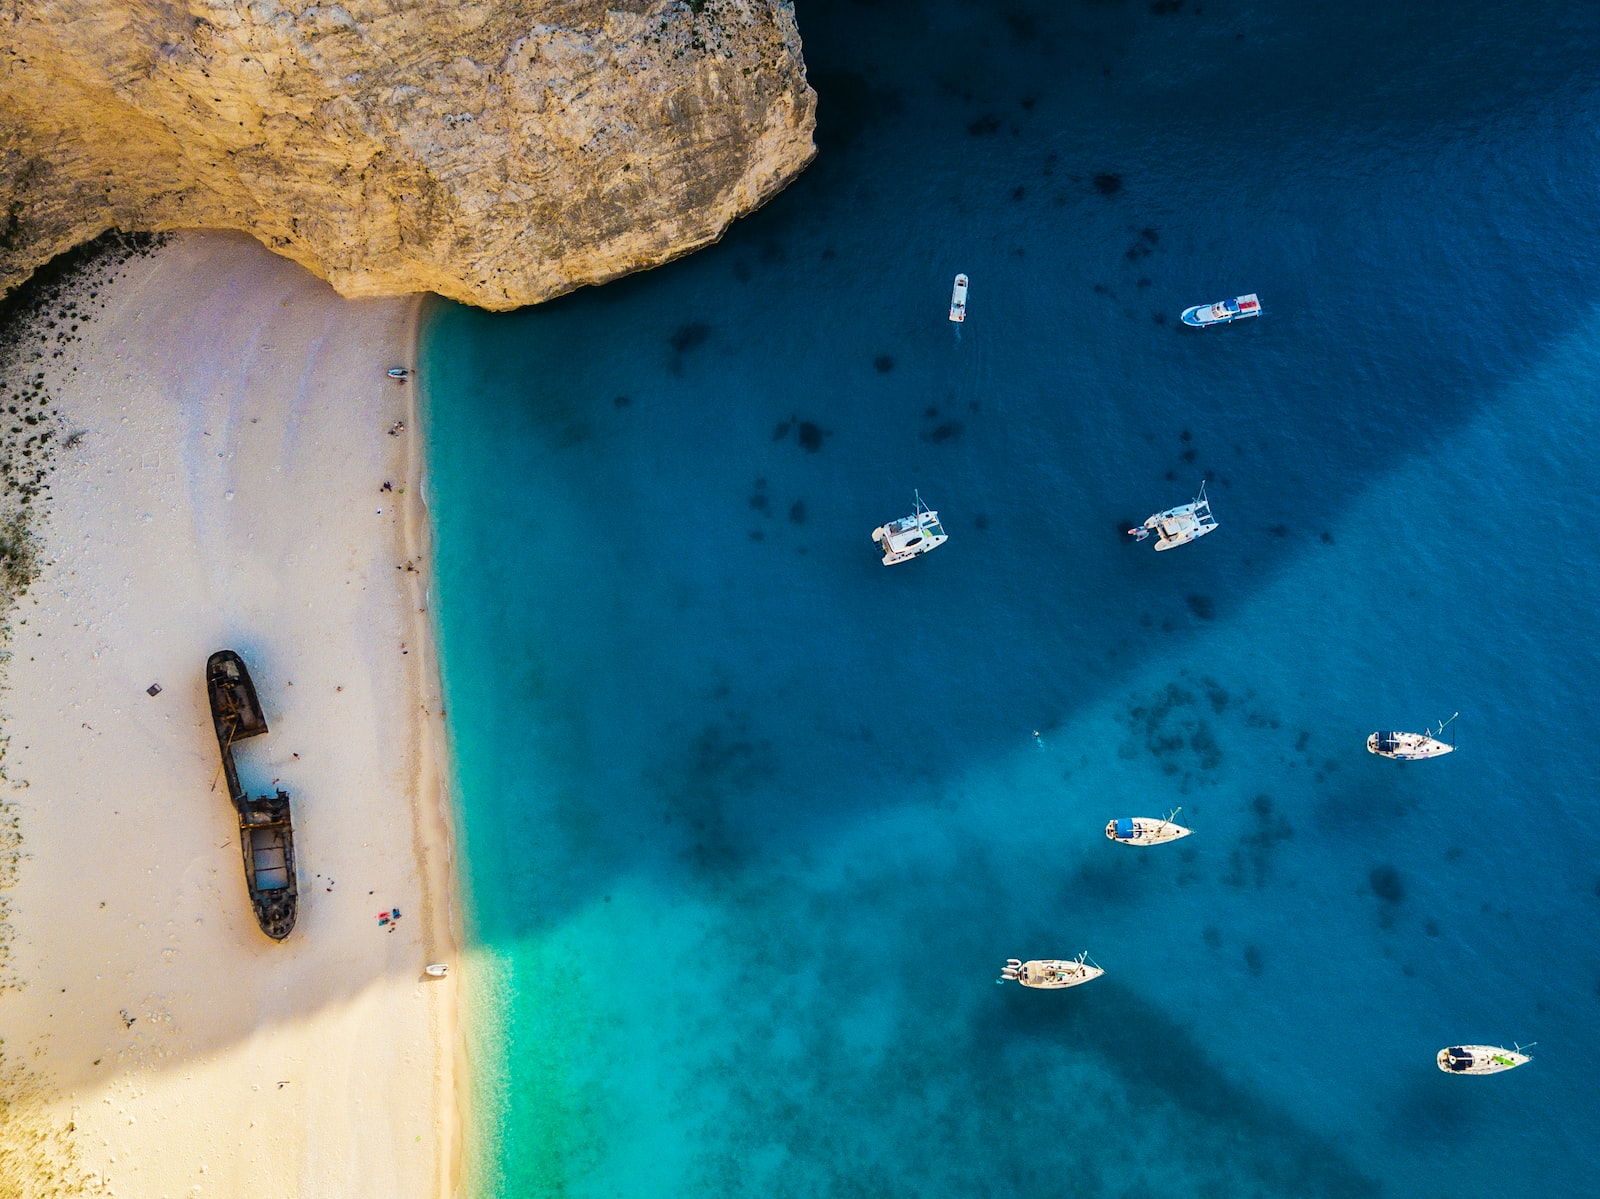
(1481, 1059)
(910, 535)
(1409, 747)
(1146, 830)
(1180, 525)
(958, 300)
(1222, 311)
(1049, 974)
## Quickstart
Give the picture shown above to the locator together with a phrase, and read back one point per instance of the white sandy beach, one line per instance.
(227, 493)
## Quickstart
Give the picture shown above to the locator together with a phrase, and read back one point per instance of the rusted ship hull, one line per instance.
(266, 833)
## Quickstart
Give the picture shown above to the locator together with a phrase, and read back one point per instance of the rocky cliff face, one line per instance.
(499, 152)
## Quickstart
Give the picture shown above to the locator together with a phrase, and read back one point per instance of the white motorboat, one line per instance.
(436, 969)
(1050, 974)
(910, 535)
(1222, 311)
(1411, 747)
(1180, 525)
(1146, 830)
(1481, 1059)
(958, 300)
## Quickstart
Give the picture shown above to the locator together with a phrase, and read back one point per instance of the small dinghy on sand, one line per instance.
(1481, 1059)
(958, 300)
(1049, 974)
(1411, 747)
(1146, 830)
(1222, 311)
(1180, 525)
(910, 535)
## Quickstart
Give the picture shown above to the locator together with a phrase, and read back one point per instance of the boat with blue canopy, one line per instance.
(1146, 830)
(1482, 1059)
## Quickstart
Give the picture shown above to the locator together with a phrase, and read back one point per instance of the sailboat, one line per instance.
(1410, 747)
(1146, 830)
(1482, 1059)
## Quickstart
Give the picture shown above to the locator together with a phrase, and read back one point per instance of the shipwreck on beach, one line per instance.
(266, 834)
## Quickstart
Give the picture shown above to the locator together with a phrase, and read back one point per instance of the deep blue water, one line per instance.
(750, 822)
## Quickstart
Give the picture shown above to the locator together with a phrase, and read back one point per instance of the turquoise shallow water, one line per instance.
(750, 822)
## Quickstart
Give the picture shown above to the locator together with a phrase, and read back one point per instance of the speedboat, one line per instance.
(958, 300)
(1481, 1059)
(1410, 747)
(1146, 830)
(910, 535)
(1049, 974)
(1180, 525)
(1222, 311)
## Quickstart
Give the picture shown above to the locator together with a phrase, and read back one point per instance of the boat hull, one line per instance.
(1480, 1059)
(1407, 747)
(266, 830)
(958, 300)
(1222, 312)
(1051, 975)
(904, 539)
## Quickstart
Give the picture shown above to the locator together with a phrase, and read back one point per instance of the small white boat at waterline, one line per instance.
(1410, 747)
(1146, 830)
(436, 969)
(958, 300)
(1050, 974)
(1180, 525)
(1222, 311)
(910, 535)
(1481, 1059)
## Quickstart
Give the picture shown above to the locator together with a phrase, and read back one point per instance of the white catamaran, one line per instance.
(910, 535)
(1411, 747)
(1180, 525)
(1050, 974)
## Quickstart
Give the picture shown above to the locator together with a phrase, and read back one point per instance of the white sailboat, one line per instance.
(1146, 830)
(1411, 747)
(1481, 1059)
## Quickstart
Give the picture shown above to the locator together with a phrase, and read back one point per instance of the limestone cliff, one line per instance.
(499, 152)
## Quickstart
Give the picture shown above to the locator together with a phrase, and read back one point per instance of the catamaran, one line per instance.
(958, 300)
(1050, 974)
(910, 535)
(1222, 311)
(1180, 525)
(1481, 1059)
(1410, 747)
(1146, 830)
